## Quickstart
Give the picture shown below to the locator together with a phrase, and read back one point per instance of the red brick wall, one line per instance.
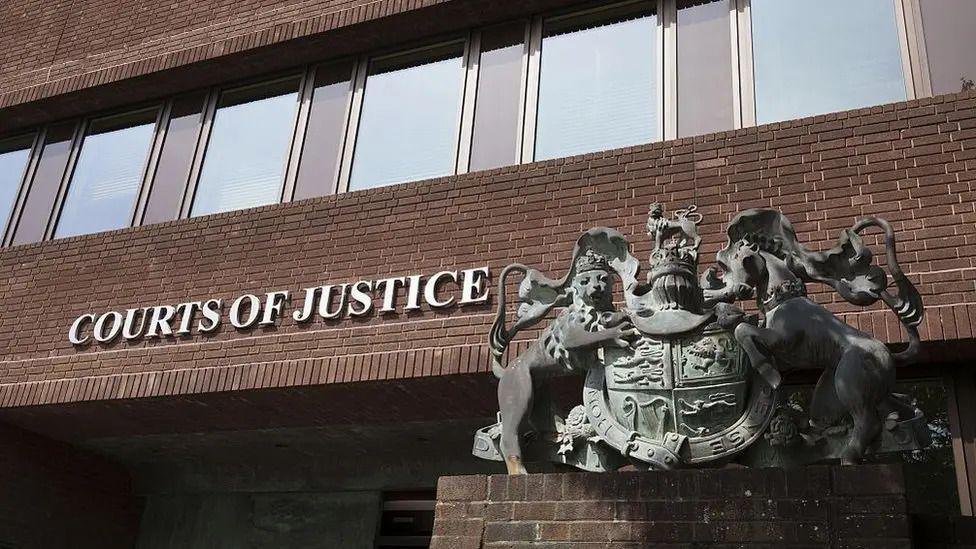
(109, 53)
(55, 496)
(51, 47)
(913, 163)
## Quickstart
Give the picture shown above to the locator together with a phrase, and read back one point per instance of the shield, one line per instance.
(686, 398)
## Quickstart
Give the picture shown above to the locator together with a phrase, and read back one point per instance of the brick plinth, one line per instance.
(862, 506)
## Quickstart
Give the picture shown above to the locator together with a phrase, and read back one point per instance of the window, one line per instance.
(32, 225)
(244, 163)
(598, 82)
(949, 27)
(704, 65)
(14, 156)
(498, 101)
(319, 168)
(603, 77)
(105, 181)
(410, 119)
(173, 167)
(827, 56)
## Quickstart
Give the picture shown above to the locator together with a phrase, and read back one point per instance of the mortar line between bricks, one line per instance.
(184, 346)
(238, 22)
(28, 386)
(244, 364)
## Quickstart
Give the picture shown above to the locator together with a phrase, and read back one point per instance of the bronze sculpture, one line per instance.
(764, 256)
(681, 376)
(569, 345)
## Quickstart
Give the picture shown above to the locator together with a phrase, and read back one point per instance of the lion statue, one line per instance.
(683, 228)
(569, 345)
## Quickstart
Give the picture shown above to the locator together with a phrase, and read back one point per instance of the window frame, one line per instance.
(81, 132)
(156, 149)
(474, 79)
(917, 50)
(211, 106)
(908, 21)
(469, 95)
(33, 158)
(464, 128)
(301, 131)
(671, 70)
(664, 80)
(162, 133)
(911, 47)
(28, 180)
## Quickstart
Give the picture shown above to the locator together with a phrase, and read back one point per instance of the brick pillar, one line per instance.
(862, 506)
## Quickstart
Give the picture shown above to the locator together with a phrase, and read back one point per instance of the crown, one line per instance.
(674, 259)
(592, 261)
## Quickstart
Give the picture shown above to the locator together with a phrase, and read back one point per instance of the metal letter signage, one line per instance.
(248, 311)
(680, 376)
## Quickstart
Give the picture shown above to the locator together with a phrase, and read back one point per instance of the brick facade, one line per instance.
(913, 163)
(862, 506)
(52, 48)
(65, 59)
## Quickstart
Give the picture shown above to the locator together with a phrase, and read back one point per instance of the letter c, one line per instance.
(430, 289)
(74, 334)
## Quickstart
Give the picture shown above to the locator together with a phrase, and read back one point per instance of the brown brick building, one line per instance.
(157, 156)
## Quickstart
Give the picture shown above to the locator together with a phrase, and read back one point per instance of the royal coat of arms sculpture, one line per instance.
(679, 376)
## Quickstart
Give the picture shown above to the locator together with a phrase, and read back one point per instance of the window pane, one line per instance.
(14, 155)
(44, 187)
(319, 167)
(950, 39)
(828, 56)
(598, 83)
(244, 164)
(496, 117)
(410, 119)
(173, 167)
(106, 177)
(704, 67)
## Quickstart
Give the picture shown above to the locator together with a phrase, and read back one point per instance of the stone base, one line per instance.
(818, 506)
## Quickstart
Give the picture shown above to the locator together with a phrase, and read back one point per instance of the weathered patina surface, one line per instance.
(680, 376)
